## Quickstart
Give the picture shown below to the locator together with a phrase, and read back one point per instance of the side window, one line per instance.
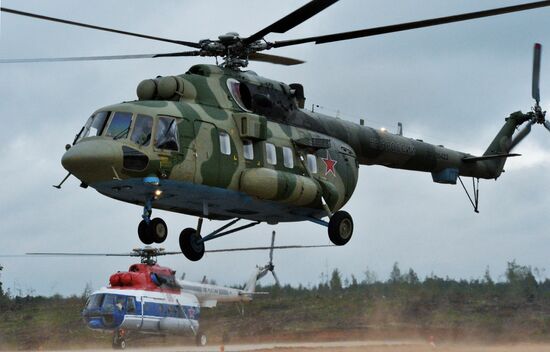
(147, 309)
(271, 154)
(288, 157)
(143, 127)
(225, 143)
(312, 163)
(131, 305)
(248, 149)
(167, 134)
(120, 125)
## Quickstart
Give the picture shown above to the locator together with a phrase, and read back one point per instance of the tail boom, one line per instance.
(377, 147)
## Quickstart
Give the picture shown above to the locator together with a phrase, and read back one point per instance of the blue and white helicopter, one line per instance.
(148, 298)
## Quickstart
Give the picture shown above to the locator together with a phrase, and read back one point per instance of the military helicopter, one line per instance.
(222, 143)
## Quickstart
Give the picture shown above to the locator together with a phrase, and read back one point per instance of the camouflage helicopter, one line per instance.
(223, 143)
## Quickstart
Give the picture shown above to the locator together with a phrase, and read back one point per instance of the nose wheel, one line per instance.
(151, 231)
(155, 231)
(119, 340)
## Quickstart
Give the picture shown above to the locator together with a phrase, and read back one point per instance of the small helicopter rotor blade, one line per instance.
(547, 125)
(12, 255)
(54, 254)
(79, 24)
(100, 58)
(137, 252)
(536, 72)
(272, 246)
(521, 135)
(274, 59)
(169, 253)
(264, 248)
(411, 25)
(276, 278)
(292, 20)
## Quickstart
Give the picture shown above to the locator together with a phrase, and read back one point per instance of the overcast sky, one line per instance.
(450, 85)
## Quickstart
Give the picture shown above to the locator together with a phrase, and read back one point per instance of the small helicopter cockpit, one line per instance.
(106, 311)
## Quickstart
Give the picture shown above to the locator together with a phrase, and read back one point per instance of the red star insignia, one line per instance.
(329, 163)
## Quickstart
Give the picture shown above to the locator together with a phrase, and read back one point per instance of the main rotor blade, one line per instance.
(100, 58)
(410, 25)
(79, 24)
(547, 125)
(274, 59)
(292, 20)
(521, 135)
(263, 248)
(535, 91)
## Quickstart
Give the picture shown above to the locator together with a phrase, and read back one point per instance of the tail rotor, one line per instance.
(537, 115)
(537, 110)
(269, 267)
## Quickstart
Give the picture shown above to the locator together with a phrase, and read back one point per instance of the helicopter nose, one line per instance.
(92, 161)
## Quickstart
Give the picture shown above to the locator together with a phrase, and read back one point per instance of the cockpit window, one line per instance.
(94, 126)
(141, 134)
(108, 302)
(120, 125)
(95, 301)
(120, 302)
(167, 133)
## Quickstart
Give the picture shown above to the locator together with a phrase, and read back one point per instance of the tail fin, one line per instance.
(251, 284)
(502, 142)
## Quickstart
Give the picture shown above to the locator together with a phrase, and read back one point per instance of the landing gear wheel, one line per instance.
(119, 343)
(143, 233)
(340, 228)
(200, 339)
(189, 245)
(158, 230)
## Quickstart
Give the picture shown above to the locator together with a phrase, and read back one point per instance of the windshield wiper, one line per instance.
(78, 134)
(122, 133)
(164, 140)
(169, 128)
(146, 140)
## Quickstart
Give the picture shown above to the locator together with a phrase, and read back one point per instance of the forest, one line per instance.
(514, 309)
